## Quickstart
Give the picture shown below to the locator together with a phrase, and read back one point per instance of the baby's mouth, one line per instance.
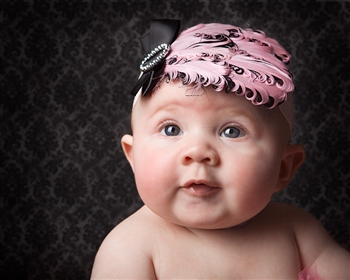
(200, 188)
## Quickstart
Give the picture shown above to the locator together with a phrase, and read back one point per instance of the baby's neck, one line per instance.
(218, 232)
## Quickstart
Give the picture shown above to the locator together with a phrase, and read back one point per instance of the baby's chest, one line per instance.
(273, 258)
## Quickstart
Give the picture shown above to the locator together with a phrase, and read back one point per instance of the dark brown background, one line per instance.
(66, 71)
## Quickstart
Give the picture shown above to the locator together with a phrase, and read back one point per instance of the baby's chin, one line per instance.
(202, 224)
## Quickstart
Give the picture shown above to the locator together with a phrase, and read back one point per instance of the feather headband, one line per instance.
(239, 61)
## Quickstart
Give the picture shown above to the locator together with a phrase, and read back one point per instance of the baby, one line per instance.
(212, 122)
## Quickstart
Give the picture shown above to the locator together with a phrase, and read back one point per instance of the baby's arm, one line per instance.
(317, 247)
(124, 254)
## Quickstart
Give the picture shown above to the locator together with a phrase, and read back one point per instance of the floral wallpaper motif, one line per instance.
(66, 70)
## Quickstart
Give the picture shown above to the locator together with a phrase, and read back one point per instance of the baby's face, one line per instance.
(208, 160)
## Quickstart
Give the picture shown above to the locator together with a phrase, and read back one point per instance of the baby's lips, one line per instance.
(200, 187)
(199, 182)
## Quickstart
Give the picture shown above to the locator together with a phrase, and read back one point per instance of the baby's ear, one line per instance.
(127, 141)
(293, 157)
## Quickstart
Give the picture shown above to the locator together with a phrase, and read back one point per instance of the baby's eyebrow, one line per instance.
(171, 108)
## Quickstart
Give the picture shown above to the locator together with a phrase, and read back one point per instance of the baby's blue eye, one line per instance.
(232, 132)
(171, 130)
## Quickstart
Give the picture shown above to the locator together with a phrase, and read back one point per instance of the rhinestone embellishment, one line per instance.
(154, 57)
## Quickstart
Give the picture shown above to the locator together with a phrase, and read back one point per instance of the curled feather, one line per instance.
(245, 62)
(239, 61)
(198, 73)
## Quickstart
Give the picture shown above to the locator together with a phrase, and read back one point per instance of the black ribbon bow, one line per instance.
(162, 32)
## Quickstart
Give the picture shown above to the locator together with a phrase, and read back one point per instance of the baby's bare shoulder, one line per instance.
(136, 225)
(314, 243)
(124, 252)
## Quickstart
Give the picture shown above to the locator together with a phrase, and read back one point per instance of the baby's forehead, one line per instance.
(176, 98)
(214, 108)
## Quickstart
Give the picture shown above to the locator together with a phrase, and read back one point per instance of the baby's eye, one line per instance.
(232, 132)
(171, 130)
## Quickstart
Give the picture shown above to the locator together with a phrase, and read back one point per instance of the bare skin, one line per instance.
(276, 244)
(206, 167)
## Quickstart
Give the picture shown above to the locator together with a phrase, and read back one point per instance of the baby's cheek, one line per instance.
(255, 176)
(147, 175)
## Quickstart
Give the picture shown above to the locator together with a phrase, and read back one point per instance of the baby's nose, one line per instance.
(200, 151)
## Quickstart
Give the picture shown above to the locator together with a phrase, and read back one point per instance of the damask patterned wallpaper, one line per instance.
(67, 68)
